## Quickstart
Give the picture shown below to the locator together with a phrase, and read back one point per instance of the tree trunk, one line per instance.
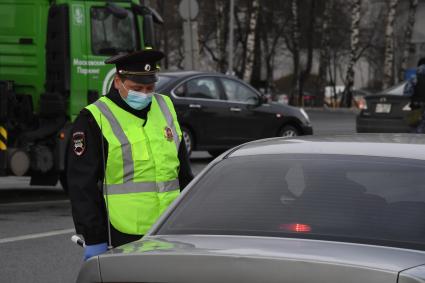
(256, 78)
(295, 48)
(264, 33)
(310, 38)
(332, 77)
(355, 30)
(408, 36)
(389, 45)
(250, 42)
(240, 42)
(324, 59)
(221, 36)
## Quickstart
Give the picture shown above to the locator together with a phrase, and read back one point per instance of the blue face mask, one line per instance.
(137, 100)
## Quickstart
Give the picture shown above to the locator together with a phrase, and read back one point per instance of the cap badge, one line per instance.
(168, 133)
(147, 67)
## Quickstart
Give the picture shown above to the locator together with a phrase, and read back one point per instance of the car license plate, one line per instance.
(383, 108)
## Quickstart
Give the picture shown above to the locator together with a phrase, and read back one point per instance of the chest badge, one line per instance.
(168, 133)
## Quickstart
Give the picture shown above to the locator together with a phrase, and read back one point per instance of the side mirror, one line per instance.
(262, 99)
(150, 16)
(117, 11)
(144, 10)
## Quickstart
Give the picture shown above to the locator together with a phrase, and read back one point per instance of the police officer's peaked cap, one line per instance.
(139, 66)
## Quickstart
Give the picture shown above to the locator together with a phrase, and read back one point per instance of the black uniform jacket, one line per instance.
(85, 167)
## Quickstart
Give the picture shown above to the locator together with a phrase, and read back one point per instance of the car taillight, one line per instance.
(362, 104)
(296, 227)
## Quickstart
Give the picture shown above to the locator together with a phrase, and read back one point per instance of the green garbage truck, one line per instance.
(52, 56)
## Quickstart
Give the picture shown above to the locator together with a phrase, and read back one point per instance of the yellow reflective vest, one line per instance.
(141, 174)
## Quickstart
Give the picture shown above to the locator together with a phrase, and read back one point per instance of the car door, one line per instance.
(244, 119)
(202, 109)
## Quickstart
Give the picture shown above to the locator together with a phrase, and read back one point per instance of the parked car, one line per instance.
(385, 112)
(358, 100)
(217, 112)
(282, 98)
(309, 99)
(341, 209)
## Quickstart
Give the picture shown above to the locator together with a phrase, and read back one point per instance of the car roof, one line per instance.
(380, 145)
(396, 89)
(180, 74)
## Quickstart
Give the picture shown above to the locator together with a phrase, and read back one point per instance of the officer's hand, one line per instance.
(94, 250)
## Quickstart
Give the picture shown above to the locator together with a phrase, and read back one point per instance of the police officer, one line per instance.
(127, 154)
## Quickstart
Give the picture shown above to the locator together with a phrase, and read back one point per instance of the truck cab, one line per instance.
(52, 57)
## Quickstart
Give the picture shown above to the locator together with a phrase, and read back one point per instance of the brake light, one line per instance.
(296, 227)
(362, 104)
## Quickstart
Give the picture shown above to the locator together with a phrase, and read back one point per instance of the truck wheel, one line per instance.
(288, 131)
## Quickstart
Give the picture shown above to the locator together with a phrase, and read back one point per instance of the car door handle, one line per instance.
(235, 109)
(195, 106)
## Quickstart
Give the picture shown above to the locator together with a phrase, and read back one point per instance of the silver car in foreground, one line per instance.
(340, 209)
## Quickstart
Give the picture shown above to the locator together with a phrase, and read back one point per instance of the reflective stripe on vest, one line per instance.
(128, 162)
(143, 187)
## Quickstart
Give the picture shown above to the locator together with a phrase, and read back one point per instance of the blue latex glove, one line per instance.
(94, 250)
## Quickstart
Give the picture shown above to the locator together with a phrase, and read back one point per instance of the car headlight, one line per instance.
(305, 114)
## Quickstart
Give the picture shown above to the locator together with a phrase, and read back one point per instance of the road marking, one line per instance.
(36, 236)
(35, 202)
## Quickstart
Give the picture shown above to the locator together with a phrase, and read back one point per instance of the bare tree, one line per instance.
(250, 42)
(213, 32)
(324, 59)
(408, 36)
(169, 34)
(292, 40)
(389, 45)
(355, 31)
(221, 38)
(272, 23)
(305, 73)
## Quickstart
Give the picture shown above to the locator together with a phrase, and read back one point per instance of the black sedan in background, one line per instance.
(217, 112)
(385, 112)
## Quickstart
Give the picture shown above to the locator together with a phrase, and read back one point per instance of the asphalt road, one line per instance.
(36, 222)
(332, 122)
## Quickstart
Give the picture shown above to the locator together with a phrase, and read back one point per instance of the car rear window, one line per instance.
(396, 90)
(162, 82)
(330, 197)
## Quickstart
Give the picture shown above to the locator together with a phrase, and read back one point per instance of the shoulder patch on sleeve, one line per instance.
(79, 143)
